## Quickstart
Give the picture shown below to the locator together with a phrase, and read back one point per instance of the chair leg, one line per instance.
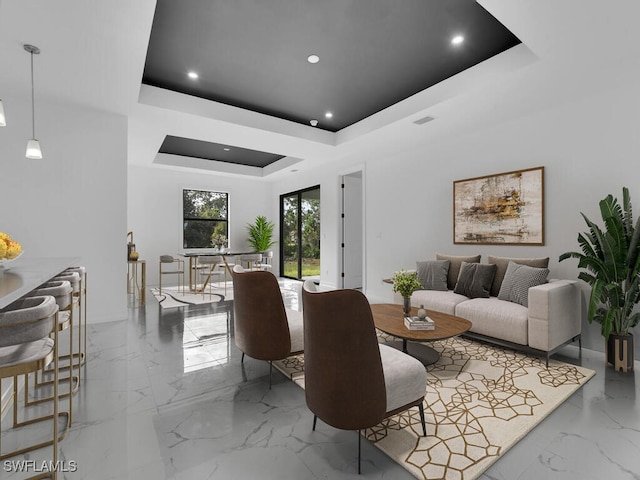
(315, 419)
(270, 372)
(424, 427)
(359, 450)
(242, 359)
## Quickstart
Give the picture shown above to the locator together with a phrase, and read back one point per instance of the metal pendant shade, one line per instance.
(33, 146)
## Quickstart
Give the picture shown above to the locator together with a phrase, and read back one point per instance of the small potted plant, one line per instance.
(405, 283)
(610, 258)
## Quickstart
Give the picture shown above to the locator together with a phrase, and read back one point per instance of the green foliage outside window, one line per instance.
(204, 214)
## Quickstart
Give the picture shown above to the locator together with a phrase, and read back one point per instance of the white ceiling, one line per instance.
(93, 55)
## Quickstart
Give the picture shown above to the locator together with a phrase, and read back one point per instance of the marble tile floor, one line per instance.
(165, 396)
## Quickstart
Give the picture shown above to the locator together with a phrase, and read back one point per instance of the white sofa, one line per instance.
(551, 319)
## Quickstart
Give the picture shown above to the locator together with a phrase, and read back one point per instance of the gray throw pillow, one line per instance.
(454, 267)
(475, 280)
(518, 280)
(503, 262)
(432, 274)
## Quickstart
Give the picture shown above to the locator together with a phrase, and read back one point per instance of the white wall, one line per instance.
(73, 202)
(155, 210)
(588, 148)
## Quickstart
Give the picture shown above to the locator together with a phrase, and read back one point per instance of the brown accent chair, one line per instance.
(351, 381)
(264, 328)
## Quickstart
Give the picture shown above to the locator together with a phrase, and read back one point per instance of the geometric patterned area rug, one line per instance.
(173, 296)
(480, 401)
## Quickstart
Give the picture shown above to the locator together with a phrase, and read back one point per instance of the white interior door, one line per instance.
(352, 231)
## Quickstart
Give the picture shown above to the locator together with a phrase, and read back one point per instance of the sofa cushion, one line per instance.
(439, 301)
(501, 268)
(454, 266)
(474, 280)
(496, 318)
(296, 329)
(518, 280)
(433, 274)
(404, 377)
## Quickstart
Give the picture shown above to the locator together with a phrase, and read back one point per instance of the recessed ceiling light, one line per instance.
(457, 40)
(328, 115)
(313, 59)
(192, 75)
(313, 123)
(226, 149)
(294, 170)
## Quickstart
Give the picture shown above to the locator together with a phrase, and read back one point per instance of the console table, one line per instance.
(137, 280)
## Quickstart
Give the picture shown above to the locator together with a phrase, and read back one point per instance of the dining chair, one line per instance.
(250, 261)
(351, 381)
(207, 269)
(170, 265)
(266, 261)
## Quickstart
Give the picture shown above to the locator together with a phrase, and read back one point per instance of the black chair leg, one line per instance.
(424, 427)
(270, 371)
(315, 419)
(242, 359)
(359, 450)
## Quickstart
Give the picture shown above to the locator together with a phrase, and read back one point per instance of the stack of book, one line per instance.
(415, 323)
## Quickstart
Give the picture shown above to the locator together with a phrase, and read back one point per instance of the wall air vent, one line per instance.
(423, 120)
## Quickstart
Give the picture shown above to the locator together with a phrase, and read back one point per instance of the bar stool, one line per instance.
(25, 347)
(62, 292)
(179, 271)
(81, 295)
(75, 279)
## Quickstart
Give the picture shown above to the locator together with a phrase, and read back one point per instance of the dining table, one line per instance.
(193, 262)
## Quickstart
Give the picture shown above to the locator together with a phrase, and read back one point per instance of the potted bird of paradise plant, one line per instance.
(610, 258)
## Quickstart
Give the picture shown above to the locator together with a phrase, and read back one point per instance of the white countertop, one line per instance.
(25, 274)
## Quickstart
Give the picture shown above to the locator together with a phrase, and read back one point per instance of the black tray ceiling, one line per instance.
(373, 53)
(189, 147)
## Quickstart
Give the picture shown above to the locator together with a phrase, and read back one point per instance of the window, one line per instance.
(205, 213)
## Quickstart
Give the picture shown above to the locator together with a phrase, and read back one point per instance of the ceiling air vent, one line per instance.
(423, 120)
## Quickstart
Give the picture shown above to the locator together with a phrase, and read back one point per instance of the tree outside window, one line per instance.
(204, 213)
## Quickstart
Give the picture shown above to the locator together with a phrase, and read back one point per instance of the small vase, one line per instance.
(406, 307)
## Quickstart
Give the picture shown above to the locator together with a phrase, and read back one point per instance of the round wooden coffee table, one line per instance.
(390, 319)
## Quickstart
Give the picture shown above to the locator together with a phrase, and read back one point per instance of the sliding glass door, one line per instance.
(300, 234)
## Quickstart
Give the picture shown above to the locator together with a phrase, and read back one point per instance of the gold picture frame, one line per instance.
(502, 209)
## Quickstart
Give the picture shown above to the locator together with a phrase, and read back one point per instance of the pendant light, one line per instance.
(33, 146)
(3, 120)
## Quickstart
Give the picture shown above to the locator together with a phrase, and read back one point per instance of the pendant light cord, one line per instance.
(33, 103)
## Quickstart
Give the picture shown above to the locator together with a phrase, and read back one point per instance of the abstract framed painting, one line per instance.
(502, 209)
